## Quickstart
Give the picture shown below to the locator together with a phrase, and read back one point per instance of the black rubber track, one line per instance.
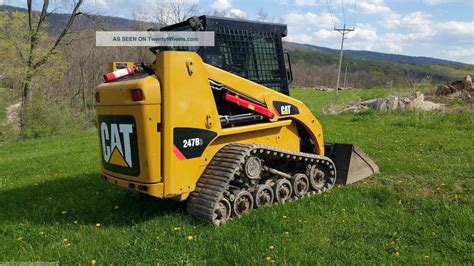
(228, 163)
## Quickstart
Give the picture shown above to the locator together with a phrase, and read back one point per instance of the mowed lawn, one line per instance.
(419, 209)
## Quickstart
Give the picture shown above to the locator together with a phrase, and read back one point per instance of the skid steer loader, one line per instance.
(216, 126)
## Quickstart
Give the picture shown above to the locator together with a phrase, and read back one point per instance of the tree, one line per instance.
(174, 11)
(14, 46)
(141, 22)
(37, 53)
(263, 16)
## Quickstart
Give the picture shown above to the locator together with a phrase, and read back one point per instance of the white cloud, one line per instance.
(391, 20)
(468, 52)
(457, 28)
(98, 3)
(300, 38)
(364, 32)
(327, 35)
(417, 20)
(237, 13)
(221, 5)
(305, 2)
(372, 7)
(309, 19)
(440, 2)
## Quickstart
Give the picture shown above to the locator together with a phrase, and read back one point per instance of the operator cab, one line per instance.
(252, 50)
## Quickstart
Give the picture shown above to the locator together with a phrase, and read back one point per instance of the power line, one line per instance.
(343, 12)
(330, 12)
(355, 14)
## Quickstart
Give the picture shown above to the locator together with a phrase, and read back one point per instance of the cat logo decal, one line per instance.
(118, 141)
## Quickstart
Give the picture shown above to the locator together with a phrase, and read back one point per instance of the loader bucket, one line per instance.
(352, 164)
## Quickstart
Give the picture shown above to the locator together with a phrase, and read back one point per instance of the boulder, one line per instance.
(369, 103)
(467, 83)
(13, 115)
(401, 105)
(408, 102)
(418, 100)
(443, 90)
(392, 103)
(380, 105)
(430, 106)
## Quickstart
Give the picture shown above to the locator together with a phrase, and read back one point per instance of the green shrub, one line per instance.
(47, 117)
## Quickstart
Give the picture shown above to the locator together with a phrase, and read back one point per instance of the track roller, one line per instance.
(263, 195)
(222, 211)
(300, 184)
(282, 190)
(243, 203)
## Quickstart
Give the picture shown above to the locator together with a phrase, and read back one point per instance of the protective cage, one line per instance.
(252, 50)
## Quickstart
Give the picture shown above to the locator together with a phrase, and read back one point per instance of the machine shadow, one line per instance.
(85, 199)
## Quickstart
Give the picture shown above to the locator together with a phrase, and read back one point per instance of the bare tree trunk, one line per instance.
(25, 87)
(34, 63)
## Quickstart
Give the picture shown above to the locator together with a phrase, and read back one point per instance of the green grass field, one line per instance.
(419, 209)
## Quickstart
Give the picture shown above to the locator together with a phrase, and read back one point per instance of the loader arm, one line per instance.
(274, 101)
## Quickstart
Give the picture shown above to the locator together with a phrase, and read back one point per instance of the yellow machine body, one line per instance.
(143, 143)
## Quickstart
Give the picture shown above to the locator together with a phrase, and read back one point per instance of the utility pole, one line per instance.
(344, 31)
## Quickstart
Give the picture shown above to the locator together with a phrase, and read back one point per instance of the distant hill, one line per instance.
(418, 60)
(57, 20)
(314, 68)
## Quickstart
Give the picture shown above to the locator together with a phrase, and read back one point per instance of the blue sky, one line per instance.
(434, 28)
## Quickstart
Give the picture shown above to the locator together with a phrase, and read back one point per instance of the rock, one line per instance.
(413, 101)
(380, 105)
(356, 108)
(420, 96)
(13, 115)
(430, 106)
(443, 90)
(401, 105)
(392, 103)
(457, 85)
(467, 83)
(418, 100)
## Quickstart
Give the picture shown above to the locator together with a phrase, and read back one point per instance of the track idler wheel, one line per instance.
(253, 168)
(222, 212)
(282, 190)
(263, 195)
(300, 183)
(243, 203)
